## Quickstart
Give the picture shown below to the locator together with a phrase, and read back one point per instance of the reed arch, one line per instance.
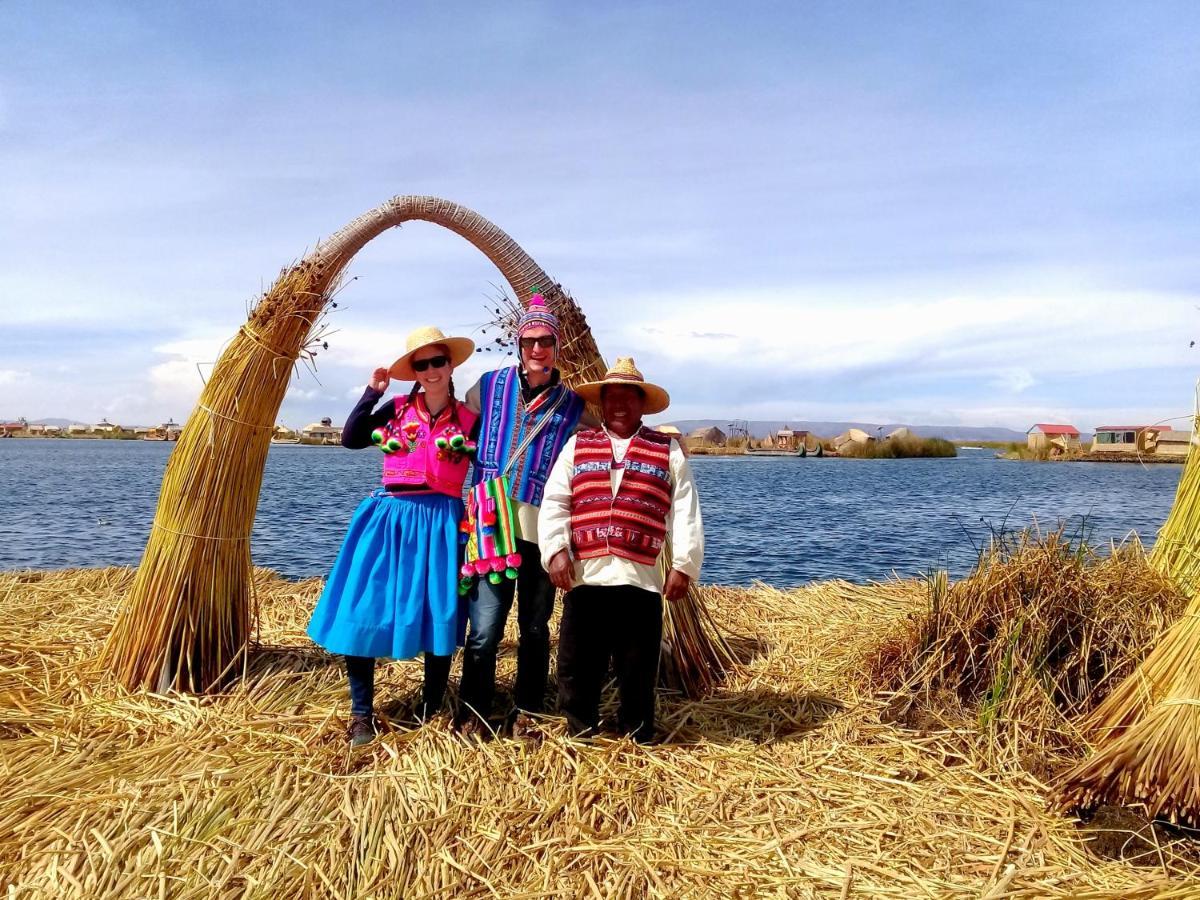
(187, 621)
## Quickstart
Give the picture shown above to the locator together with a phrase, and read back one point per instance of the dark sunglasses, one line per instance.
(438, 362)
(546, 341)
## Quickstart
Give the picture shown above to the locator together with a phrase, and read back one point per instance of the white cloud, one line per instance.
(13, 376)
(1015, 339)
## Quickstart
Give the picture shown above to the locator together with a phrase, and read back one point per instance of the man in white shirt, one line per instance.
(614, 498)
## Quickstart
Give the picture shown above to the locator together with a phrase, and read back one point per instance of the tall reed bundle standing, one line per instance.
(187, 620)
(695, 656)
(1148, 729)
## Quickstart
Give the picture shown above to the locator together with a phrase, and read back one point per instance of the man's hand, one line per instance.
(677, 585)
(380, 379)
(561, 570)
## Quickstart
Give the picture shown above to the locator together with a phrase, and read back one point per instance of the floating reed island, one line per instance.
(888, 740)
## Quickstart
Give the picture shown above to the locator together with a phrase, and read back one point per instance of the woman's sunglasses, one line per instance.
(438, 362)
(545, 341)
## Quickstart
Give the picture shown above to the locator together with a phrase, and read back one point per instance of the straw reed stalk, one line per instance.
(187, 621)
(1148, 730)
(695, 656)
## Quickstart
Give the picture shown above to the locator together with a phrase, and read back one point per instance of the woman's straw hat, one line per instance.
(459, 348)
(623, 371)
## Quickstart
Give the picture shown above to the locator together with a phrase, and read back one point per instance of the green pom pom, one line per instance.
(494, 577)
(393, 445)
(510, 574)
(377, 436)
(456, 442)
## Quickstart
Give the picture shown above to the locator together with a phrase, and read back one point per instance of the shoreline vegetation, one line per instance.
(1015, 451)
(892, 739)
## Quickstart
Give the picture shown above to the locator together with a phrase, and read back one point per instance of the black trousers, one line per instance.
(623, 624)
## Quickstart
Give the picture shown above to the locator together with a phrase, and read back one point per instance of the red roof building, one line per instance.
(1056, 439)
(1069, 430)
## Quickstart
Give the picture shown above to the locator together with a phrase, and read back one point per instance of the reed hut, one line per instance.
(712, 436)
(1123, 439)
(1050, 437)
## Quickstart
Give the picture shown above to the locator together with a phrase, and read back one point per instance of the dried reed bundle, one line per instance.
(188, 617)
(1035, 636)
(695, 656)
(783, 782)
(1148, 729)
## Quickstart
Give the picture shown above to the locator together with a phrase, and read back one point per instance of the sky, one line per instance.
(957, 213)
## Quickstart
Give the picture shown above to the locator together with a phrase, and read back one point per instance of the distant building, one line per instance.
(788, 439)
(106, 427)
(11, 428)
(707, 437)
(322, 432)
(78, 428)
(1172, 443)
(1123, 439)
(1055, 438)
(851, 436)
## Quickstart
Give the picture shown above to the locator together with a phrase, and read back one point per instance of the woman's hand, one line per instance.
(561, 573)
(380, 379)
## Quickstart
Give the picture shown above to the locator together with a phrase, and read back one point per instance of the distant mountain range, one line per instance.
(761, 429)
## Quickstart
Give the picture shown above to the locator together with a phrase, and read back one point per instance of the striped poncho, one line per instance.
(506, 420)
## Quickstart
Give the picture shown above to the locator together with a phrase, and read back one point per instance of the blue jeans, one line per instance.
(487, 610)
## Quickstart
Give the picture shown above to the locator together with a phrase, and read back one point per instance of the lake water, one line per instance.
(781, 520)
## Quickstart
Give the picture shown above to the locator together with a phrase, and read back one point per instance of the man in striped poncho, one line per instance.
(526, 415)
(614, 497)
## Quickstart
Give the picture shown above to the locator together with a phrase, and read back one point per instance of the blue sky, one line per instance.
(959, 213)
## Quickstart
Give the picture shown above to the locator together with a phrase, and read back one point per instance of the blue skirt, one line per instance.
(393, 590)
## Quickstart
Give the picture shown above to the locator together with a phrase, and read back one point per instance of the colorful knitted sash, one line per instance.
(633, 524)
(506, 423)
(490, 530)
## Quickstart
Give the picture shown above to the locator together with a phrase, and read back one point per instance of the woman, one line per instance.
(393, 588)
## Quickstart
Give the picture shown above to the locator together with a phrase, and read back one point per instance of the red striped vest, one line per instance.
(633, 524)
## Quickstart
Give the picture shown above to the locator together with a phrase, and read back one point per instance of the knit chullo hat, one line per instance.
(536, 315)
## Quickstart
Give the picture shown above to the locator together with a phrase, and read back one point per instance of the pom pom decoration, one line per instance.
(510, 574)
(494, 578)
(441, 443)
(377, 436)
(513, 560)
(467, 570)
(392, 445)
(456, 443)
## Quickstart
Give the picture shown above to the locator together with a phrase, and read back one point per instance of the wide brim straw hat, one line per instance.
(459, 348)
(623, 371)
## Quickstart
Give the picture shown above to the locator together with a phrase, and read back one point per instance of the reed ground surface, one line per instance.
(790, 781)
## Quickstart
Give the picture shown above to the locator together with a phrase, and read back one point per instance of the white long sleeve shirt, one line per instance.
(684, 525)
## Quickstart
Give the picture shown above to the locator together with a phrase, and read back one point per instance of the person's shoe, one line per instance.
(525, 728)
(470, 729)
(361, 730)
